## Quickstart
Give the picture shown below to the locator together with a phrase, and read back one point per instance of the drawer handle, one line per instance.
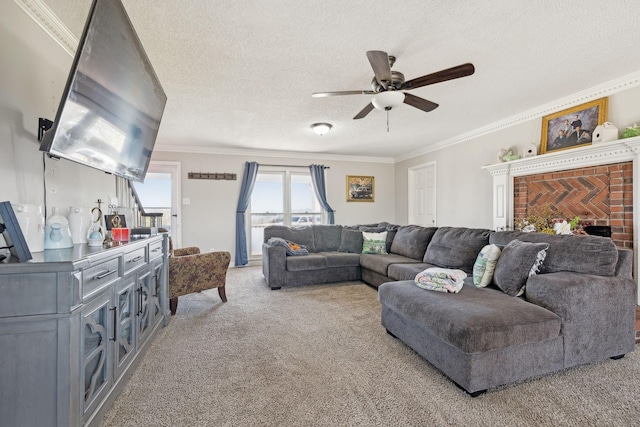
(156, 249)
(136, 259)
(115, 322)
(103, 274)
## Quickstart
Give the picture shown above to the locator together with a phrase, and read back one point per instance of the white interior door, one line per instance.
(422, 195)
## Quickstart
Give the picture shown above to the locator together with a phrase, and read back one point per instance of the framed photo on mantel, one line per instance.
(360, 188)
(572, 127)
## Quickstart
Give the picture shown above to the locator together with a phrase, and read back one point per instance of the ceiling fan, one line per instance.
(387, 85)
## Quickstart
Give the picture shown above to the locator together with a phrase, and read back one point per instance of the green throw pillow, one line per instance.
(374, 243)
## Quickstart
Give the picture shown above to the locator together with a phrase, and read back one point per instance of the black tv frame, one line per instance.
(12, 233)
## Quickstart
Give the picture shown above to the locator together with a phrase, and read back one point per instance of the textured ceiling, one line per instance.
(239, 74)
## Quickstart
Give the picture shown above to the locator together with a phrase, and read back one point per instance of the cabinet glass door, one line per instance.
(95, 339)
(145, 310)
(158, 301)
(125, 326)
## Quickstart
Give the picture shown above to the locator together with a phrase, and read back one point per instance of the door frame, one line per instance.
(175, 169)
(410, 189)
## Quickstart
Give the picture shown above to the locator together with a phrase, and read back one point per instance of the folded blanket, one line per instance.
(291, 247)
(441, 279)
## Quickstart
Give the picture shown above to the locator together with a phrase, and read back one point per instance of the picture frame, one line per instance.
(12, 233)
(360, 188)
(559, 132)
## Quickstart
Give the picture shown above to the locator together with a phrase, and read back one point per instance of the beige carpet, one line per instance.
(318, 356)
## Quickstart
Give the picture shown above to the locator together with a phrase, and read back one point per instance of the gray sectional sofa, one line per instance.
(579, 308)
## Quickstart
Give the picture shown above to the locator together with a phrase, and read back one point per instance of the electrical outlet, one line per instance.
(186, 201)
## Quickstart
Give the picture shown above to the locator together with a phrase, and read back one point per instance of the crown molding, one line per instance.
(50, 23)
(266, 153)
(605, 89)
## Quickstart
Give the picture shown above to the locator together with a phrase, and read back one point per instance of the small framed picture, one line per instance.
(360, 188)
(12, 233)
(572, 127)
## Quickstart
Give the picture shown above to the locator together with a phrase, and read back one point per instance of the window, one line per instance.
(281, 198)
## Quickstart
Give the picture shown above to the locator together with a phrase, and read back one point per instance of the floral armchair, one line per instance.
(190, 271)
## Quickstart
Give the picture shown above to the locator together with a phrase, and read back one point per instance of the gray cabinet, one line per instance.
(73, 324)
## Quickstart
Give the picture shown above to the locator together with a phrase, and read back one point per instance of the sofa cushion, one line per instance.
(351, 241)
(374, 243)
(309, 262)
(380, 263)
(299, 235)
(580, 254)
(326, 237)
(407, 271)
(485, 265)
(456, 247)
(475, 319)
(517, 262)
(341, 259)
(412, 240)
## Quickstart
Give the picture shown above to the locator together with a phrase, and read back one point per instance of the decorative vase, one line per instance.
(79, 221)
(31, 220)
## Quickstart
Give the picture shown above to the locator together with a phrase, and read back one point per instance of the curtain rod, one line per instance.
(288, 166)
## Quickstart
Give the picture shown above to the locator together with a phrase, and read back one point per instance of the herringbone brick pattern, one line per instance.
(599, 196)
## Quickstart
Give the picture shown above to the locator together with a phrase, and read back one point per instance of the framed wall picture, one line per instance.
(572, 127)
(12, 233)
(360, 188)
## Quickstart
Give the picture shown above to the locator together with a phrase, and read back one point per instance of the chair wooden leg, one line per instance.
(173, 305)
(222, 293)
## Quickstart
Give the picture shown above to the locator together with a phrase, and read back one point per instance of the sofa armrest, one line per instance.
(624, 267)
(598, 313)
(274, 261)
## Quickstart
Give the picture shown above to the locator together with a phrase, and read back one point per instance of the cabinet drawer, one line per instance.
(134, 259)
(155, 250)
(95, 277)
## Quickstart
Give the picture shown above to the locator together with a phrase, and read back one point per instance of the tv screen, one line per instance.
(111, 108)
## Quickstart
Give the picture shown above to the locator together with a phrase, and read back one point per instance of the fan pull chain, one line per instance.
(388, 109)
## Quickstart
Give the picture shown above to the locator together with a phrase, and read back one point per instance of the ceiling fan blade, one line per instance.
(419, 103)
(379, 61)
(440, 76)
(344, 92)
(366, 110)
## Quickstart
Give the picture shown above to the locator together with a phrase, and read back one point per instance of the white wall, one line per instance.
(209, 221)
(464, 190)
(34, 72)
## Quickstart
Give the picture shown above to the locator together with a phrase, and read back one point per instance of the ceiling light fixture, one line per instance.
(387, 100)
(321, 128)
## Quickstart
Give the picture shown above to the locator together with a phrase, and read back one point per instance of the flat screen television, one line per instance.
(110, 111)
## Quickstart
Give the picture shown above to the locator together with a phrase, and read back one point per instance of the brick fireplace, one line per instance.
(600, 195)
(594, 182)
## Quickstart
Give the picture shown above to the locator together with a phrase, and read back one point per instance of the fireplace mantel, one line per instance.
(607, 153)
(621, 150)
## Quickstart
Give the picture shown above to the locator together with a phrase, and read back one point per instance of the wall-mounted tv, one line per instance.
(110, 111)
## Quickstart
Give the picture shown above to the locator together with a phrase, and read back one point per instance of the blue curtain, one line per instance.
(317, 177)
(248, 179)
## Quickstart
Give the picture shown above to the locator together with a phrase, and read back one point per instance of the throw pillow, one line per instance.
(517, 262)
(374, 243)
(485, 265)
(290, 247)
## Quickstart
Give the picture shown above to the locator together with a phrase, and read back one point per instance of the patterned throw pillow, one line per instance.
(485, 265)
(517, 262)
(374, 243)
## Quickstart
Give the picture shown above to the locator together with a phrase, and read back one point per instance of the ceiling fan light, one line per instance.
(321, 128)
(387, 100)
